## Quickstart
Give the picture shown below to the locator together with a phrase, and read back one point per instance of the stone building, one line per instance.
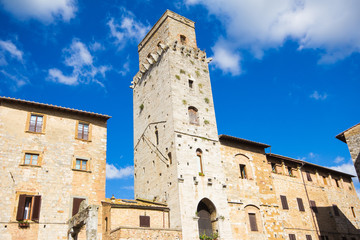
(51, 158)
(351, 137)
(221, 186)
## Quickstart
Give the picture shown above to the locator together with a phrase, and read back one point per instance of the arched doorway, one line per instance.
(206, 212)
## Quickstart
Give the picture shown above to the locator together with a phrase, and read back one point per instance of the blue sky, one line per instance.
(285, 72)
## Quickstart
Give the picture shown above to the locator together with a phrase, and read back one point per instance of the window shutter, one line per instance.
(336, 210)
(292, 236)
(308, 237)
(21, 207)
(144, 221)
(76, 205)
(308, 176)
(36, 208)
(252, 219)
(313, 206)
(284, 202)
(300, 204)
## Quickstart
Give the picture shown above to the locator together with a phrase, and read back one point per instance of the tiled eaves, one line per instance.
(50, 106)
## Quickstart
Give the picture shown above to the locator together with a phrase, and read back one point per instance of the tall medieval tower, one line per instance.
(176, 146)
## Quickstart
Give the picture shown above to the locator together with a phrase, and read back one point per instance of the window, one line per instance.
(36, 123)
(182, 39)
(144, 221)
(76, 205)
(290, 171)
(81, 164)
(191, 82)
(193, 115)
(353, 212)
(284, 202)
(308, 176)
(336, 210)
(300, 204)
(242, 171)
(106, 224)
(28, 207)
(313, 206)
(83, 131)
(199, 155)
(273, 167)
(292, 237)
(308, 237)
(252, 220)
(31, 159)
(170, 157)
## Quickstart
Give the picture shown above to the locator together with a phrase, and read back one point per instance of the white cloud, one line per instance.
(46, 11)
(317, 96)
(128, 187)
(79, 58)
(226, 59)
(346, 168)
(127, 29)
(18, 79)
(339, 159)
(258, 25)
(10, 47)
(113, 172)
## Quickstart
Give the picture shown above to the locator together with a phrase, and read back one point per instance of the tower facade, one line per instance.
(176, 146)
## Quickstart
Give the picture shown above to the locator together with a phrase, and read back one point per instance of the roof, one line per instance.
(341, 136)
(50, 106)
(137, 203)
(307, 163)
(241, 140)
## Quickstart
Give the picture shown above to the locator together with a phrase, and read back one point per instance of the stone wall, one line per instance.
(129, 233)
(54, 179)
(353, 141)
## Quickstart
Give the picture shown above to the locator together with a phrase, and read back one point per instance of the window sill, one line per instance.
(79, 170)
(29, 165)
(42, 133)
(84, 140)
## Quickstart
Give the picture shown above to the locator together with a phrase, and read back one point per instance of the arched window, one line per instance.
(193, 115)
(206, 212)
(199, 161)
(244, 168)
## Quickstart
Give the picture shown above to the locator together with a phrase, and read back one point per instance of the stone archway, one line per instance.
(206, 212)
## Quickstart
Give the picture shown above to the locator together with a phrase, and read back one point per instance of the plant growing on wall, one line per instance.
(207, 100)
(182, 71)
(141, 107)
(177, 77)
(206, 122)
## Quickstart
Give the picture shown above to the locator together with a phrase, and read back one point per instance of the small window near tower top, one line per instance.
(191, 82)
(182, 39)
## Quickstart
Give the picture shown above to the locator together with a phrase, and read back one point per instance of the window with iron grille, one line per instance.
(36, 123)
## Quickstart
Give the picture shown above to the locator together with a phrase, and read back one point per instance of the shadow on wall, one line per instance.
(334, 224)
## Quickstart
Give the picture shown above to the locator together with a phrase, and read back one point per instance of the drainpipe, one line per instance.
(307, 196)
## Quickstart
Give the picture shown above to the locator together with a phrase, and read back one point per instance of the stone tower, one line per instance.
(176, 145)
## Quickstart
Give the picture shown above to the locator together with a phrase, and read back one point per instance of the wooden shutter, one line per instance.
(144, 221)
(76, 205)
(21, 207)
(300, 204)
(308, 237)
(292, 237)
(284, 202)
(36, 208)
(313, 206)
(336, 210)
(252, 220)
(308, 176)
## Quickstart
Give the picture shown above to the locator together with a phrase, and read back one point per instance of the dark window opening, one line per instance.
(182, 39)
(157, 136)
(144, 221)
(242, 171)
(200, 164)
(308, 176)
(337, 183)
(253, 224)
(308, 237)
(273, 167)
(290, 171)
(292, 237)
(191, 82)
(106, 224)
(300, 204)
(284, 202)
